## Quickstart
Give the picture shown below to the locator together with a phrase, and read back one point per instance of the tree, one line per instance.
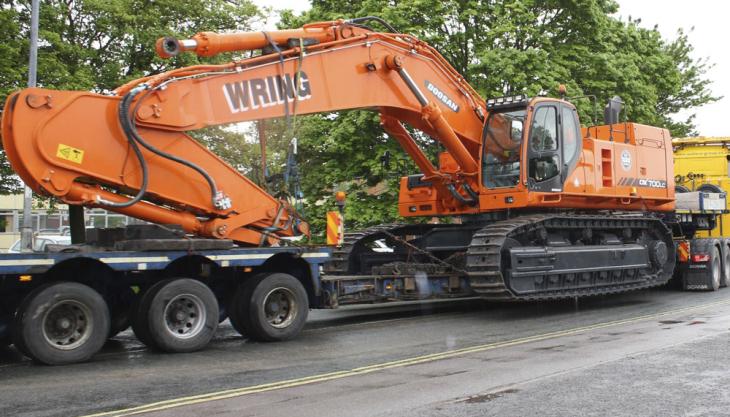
(11, 74)
(503, 48)
(98, 45)
(693, 91)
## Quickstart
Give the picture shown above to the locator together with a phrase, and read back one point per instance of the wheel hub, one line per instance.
(67, 325)
(184, 316)
(280, 307)
(64, 323)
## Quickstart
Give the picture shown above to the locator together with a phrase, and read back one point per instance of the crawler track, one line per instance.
(491, 274)
(537, 257)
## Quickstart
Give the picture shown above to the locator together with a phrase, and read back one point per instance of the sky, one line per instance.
(709, 38)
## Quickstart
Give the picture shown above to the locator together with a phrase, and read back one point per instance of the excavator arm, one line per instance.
(129, 152)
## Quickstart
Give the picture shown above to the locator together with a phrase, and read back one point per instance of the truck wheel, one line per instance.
(272, 307)
(61, 323)
(725, 281)
(714, 273)
(181, 315)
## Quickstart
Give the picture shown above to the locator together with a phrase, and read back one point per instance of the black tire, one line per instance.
(120, 310)
(61, 323)
(138, 310)
(6, 330)
(181, 315)
(222, 311)
(17, 342)
(120, 321)
(725, 253)
(237, 309)
(285, 294)
(710, 188)
(714, 269)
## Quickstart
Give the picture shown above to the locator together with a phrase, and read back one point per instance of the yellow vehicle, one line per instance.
(703, 164)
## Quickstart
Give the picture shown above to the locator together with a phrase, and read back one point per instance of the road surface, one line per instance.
(658, 352)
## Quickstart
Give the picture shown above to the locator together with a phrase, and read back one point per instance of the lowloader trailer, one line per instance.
(61, 306)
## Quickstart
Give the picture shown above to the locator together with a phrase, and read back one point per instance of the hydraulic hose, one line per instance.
(215, 195)
(129, 131)
(218, 200)
(363, 19)
(460, 198)
(474, 196)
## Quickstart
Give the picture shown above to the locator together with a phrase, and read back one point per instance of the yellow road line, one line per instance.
(238, 392)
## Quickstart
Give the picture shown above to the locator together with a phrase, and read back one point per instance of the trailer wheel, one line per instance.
(61, 323)
(181, 315)
(120, 310)
(138, 309)
(237, 309)
(271, 307)
(17, 342)
(119, 323)
(5, 326)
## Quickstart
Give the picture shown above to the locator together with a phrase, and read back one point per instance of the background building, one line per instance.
(49, 219)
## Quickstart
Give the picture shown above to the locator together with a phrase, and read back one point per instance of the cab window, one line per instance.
(545, 161)
(571, 135)
(502, 148)
(544, 135)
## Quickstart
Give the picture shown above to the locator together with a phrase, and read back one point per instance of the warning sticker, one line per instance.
(70, 153)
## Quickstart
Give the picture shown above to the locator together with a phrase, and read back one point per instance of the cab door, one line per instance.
(544, 159)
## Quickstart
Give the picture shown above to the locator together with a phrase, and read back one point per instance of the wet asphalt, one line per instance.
(674, 363)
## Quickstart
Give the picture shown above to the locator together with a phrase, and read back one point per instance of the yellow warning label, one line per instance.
(70, 153)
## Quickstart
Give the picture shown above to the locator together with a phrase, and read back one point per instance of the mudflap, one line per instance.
(696, 276)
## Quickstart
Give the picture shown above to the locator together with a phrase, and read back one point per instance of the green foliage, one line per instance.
(98, 44)
(503, 48)
(340, 152)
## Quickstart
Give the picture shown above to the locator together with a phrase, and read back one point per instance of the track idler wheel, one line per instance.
(658, 253)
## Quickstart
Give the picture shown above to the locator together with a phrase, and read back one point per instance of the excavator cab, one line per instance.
(530, 148)
(529, 143)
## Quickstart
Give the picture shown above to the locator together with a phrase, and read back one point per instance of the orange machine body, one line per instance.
(70, 144)
(627, 166)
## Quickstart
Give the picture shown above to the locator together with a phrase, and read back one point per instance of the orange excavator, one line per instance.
(548, 209)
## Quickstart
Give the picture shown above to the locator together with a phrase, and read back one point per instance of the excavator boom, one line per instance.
(129, 152)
